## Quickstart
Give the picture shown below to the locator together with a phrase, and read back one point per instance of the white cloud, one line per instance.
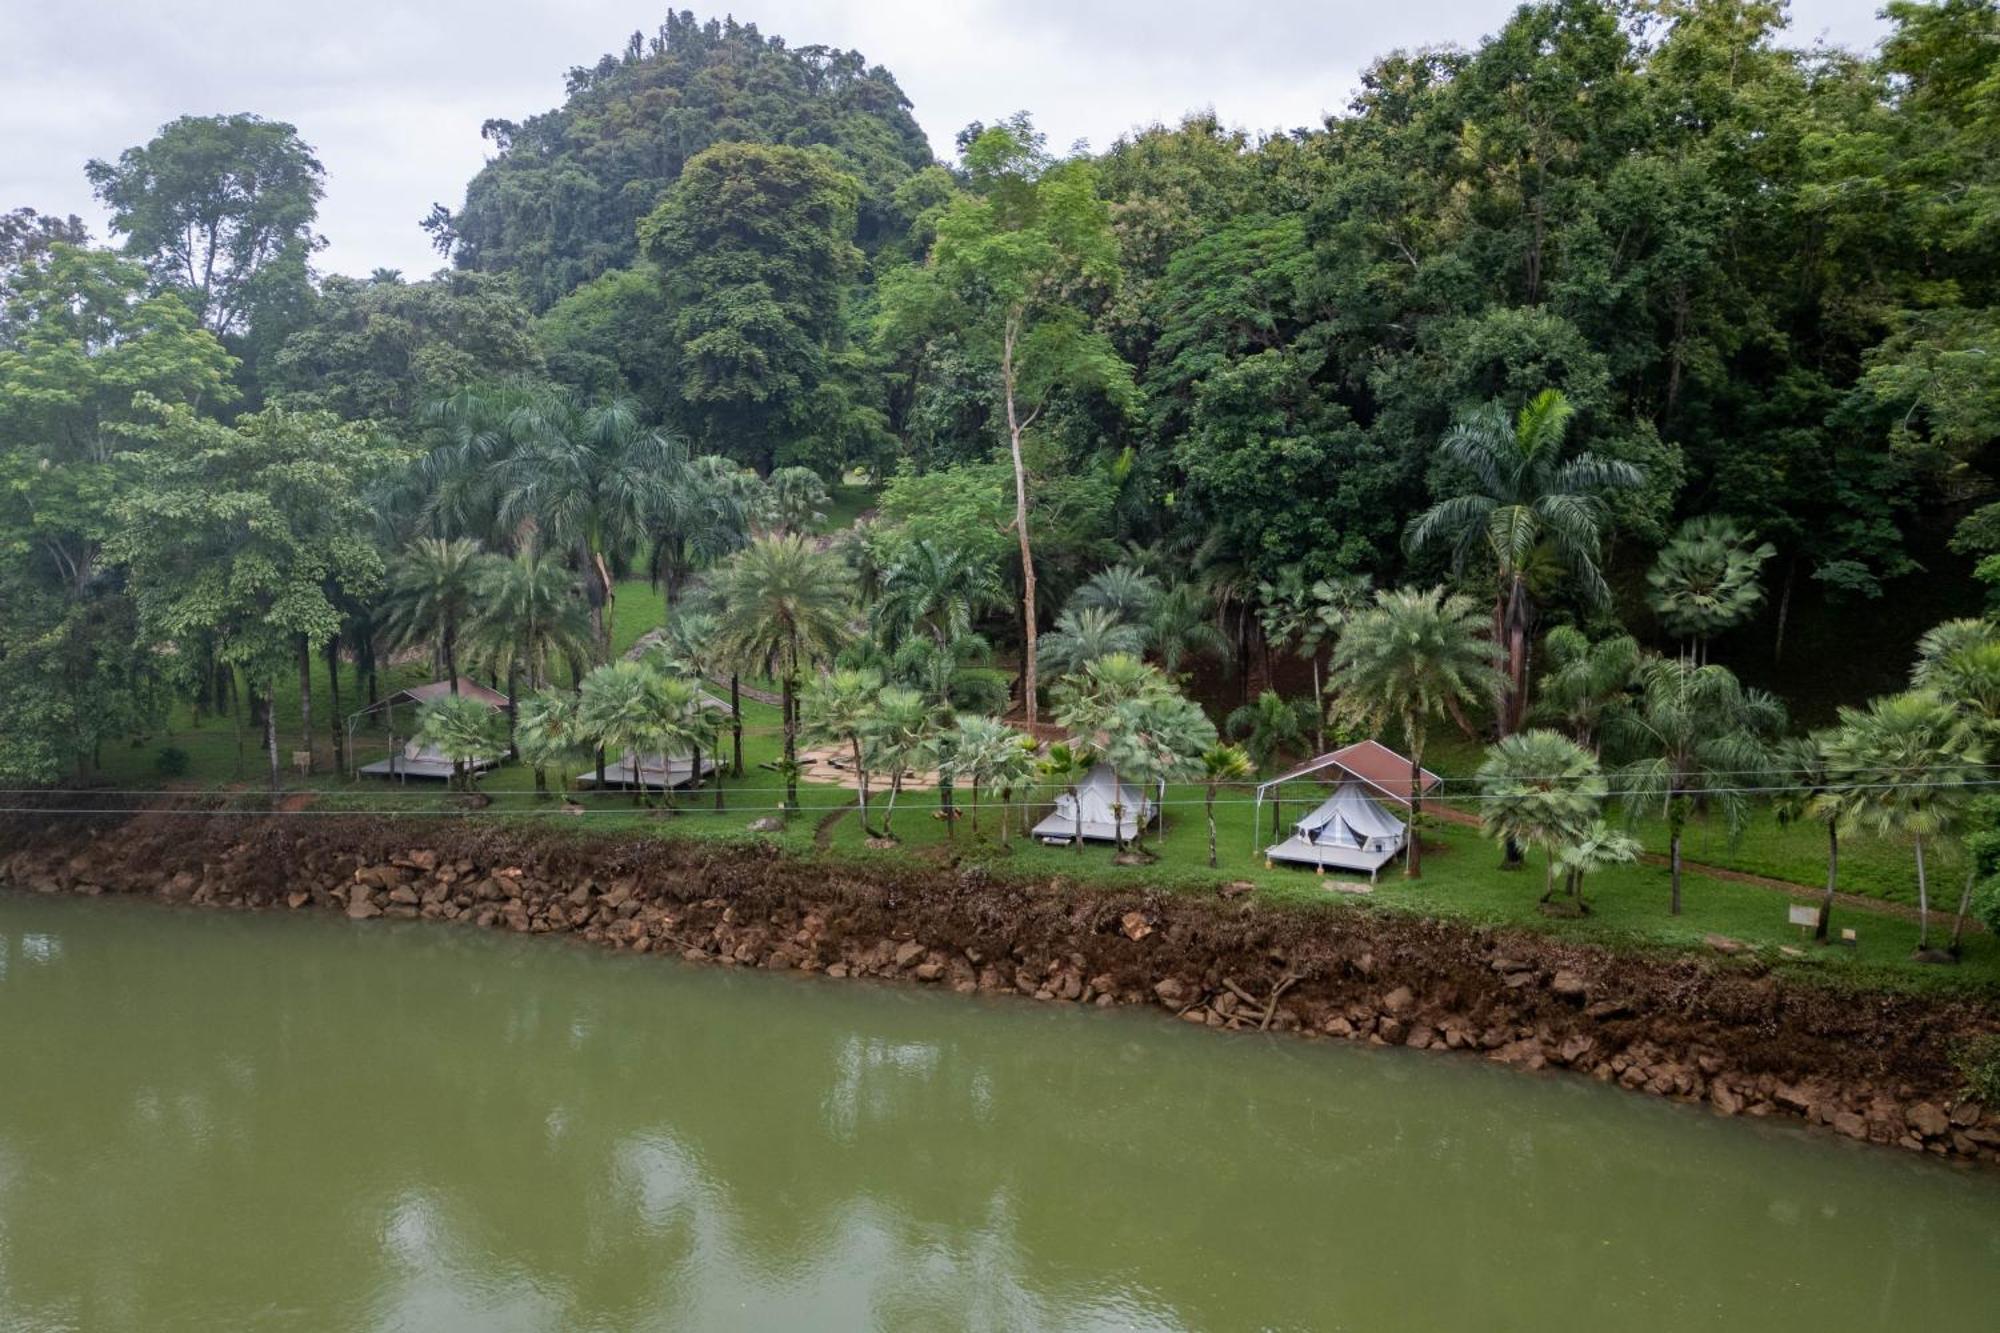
(393, 94)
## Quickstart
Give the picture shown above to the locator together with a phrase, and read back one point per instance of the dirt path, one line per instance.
(823, 831)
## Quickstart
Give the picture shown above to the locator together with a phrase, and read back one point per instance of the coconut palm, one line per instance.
(1809, 787)
(786, 607)
(1084, 634)
(1599, 846)
(1704, 738)
(1410, 657)
(1539, 788)
(548, 735)
(839, 708)
(698, 515)
(1908, 758)
(795, 501)
(1582, 680)
(616, 710)
(463, 730)
(1064, 765)
(1270, 726)
(1705, 580)
(1123, 590)
(899, 735)
(933, 590)
(528, 615)
(432, 595)
(586, 477)
(1522, 502)
(1221, 765)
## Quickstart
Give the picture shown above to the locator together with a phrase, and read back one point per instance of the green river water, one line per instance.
(219, 1121)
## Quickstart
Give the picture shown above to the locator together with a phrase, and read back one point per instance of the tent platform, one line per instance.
(677, 773)
(1060, 831)
(1322, 856)
(434, 770)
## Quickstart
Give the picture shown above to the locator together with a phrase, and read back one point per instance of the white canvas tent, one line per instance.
(1095, 797)
(407, 758)
(1351, 829)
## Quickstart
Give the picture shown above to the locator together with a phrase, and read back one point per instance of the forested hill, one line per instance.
(561, 200)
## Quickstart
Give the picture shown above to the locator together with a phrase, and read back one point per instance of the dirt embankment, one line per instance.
(1871, 1066)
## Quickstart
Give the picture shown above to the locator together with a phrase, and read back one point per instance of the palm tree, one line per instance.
(1180, 625)
(898, 735)
(1809, 788)
(839, 707)
(1156, 738)
(1304, 617)
(1540, 788)
(1581, 681)
(528, 615)
(1087, 704)
(586, 476)
(432, 596)
(1406, 659)
(1123, 590)
(547, 734)
(1065, 765)
(698, 515)
(463, 730)
(786, 607)
(935, 590)
(616, 710)
(1522, 500)
(795, 500)
(1220, 765)
(1084, 634)
(680, 726)
(1705, 739)
(1270, 726)
(1907, 757)
(1012, 767)
(1705, 580)
(979, 753)
(1598, 846)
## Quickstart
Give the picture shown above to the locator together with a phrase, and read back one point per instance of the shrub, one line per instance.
(171, 762)
(1978, 1062)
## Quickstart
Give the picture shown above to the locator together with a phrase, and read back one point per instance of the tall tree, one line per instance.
(1411, 657)
(1006, 271)
(220, 208)
(1519, 496)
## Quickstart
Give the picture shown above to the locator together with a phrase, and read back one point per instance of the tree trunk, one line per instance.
(975, 809)
(336, 727)
(791, 744)
(1820, 927)
(271, 735)
(449, 646)
(1413, 859)
(889, 811)
(736, 722)
(1923, 900)
(513, 710)
(1784, 609)
(1211, 827)
(861, 773)
(306, 699)
(1015, 426)
(1674, 864)
(1964, 904)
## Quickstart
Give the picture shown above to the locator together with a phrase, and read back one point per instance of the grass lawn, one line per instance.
(850, 502)
(1460, 879)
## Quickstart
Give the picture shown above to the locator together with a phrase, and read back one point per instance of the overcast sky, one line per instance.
(392, 94)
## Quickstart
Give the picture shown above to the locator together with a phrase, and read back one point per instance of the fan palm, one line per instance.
(1411, 656)
(1221, 765)
(795, 500)
(1704, 737)
(548, 734)
(785, 606)
(1598, 846)
(839, 707)
(1810, 788)
(1908, 758)
(1155, 738)
(982, 748)
(615, 709)
(1705, 580)
(1522, 500)
(1064, 765)
(898, 735)
(1540, 788)
(463, 730)
(680, 725)
(1180, 625)
(1123, 590)
(432, 595)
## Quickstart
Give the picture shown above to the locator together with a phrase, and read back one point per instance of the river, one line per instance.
(214, 1120)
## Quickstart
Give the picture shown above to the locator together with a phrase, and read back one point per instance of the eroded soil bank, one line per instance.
(1873, 1066)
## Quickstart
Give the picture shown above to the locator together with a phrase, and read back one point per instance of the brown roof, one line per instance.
(438, 689)
(1371, 762)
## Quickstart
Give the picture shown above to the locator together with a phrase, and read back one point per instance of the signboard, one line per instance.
(1803, 914)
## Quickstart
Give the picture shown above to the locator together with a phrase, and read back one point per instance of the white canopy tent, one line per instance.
(1350, 829)
(1095, 798)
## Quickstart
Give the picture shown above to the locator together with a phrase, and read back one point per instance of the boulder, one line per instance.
(1927, 1119)
(1135, 926)
(767, 824)
(1398, 1001)
(1723, 944)
(1850, 1124)
(909, 951)
(1173, 992)
(1568, 985)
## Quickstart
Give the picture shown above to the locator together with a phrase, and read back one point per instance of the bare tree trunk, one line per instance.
(1015, 426)
(306, 699)
(335, 724)
(1964, 904)
(736, 722)
(861, 773)
(1413, 858)
(1211, 827)
(271, 737)
(1820, 926)
(1923, 900)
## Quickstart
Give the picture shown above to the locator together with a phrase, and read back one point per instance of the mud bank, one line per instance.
(1872, 1066)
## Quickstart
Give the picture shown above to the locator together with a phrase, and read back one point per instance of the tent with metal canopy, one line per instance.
(1095, 796)
(1350, 829)
(654, 771)
(407, 757)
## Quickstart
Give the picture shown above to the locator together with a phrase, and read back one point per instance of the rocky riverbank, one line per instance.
(1726, 1032)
